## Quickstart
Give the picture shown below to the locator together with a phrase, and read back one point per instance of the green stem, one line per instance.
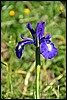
(37, 69)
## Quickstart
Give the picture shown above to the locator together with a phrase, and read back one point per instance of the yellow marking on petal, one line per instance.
(49, 47)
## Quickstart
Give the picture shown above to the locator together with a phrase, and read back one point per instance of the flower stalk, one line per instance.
(37, 69)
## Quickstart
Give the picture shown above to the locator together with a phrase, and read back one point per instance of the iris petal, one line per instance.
(48, 36)
(29, 26)
(20, 47)
(19, 50)
(45, 38)
(40, 29)
(46, 52)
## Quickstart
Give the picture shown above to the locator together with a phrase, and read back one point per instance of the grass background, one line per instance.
(18, 76)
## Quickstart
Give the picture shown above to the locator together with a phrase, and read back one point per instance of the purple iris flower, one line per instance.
(47, 48)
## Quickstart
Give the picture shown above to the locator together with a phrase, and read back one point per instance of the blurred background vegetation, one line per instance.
(18, 75)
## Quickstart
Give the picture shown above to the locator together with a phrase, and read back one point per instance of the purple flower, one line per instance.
(47, 48)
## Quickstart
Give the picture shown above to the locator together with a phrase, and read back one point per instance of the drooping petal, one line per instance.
(20, 47)
(19, 50)
(29, 26)
(40, 29)
(48, 50)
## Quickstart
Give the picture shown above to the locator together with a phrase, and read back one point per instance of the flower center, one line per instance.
(49, 47)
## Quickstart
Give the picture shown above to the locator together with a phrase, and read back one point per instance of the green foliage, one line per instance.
(18, 75)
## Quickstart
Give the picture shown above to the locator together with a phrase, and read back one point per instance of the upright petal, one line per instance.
(48, 50)
(29, 26)
(20, 47)
(40, 29)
